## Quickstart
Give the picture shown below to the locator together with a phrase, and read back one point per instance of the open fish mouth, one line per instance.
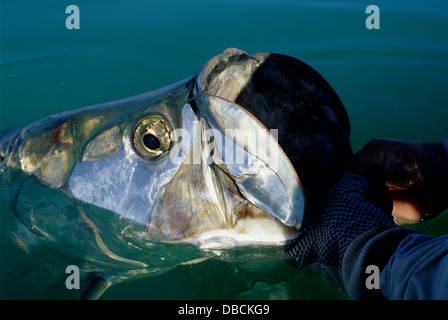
(236, 186)
(244, 190)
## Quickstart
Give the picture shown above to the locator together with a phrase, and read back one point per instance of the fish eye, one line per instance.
(151, 141)
(152, 137)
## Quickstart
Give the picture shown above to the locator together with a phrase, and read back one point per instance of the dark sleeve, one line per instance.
(418, 269)
(373, 247)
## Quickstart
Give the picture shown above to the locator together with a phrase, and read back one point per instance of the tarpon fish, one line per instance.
(136, 187)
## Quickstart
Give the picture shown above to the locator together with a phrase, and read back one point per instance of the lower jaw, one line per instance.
(246, 232)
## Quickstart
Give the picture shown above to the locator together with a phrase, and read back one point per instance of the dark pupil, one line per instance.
(151, 142)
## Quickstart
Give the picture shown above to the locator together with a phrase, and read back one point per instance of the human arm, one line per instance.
(355, 229)
(350, 233)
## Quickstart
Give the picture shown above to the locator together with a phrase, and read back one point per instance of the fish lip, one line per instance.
(246, 231)
(229, 57)
(229, 239)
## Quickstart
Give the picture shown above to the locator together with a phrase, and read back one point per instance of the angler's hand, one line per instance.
(415, 173)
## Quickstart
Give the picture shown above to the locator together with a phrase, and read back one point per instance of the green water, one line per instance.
(393, 82)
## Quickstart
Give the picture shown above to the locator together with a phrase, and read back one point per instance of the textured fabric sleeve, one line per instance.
(373, 247)
(418, 269)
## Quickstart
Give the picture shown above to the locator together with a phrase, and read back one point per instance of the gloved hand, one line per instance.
(349, 210)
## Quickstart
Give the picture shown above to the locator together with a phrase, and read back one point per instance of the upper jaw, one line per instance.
(226, 74)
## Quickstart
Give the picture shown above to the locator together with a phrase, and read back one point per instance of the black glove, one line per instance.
(347, 213)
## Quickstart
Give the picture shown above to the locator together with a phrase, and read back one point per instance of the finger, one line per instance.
(406, 210)
(398, 162)
(402, 165)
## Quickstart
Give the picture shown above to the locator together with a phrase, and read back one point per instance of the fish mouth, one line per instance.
(227, 194)
(244, 190)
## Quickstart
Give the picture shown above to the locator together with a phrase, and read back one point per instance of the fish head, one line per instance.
(211, 160)
(193, 168)
(187, 164)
